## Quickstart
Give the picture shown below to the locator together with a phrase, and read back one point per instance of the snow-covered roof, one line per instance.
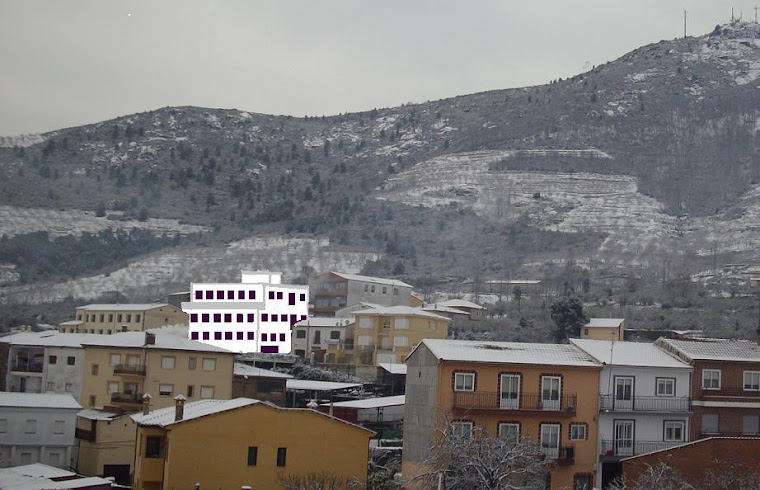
(518, 282)
(257, 372)
(393, 368)
(376, 280)
(38, 400)
(641, 354)
(95, 414)
(49, 338)
(461, 303)
(444, 309)
(400, 311)
(307, 384)
(384, 401)
(325, 321)
(508, 352)
(167, 341)
(604, 322)
(72, 322)
(712, 349)
(165, 416)
(42, 477)
(122, 307)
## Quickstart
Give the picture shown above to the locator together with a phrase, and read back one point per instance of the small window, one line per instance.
(386, 323)
(282, 454)
(400, 341)
(129, 318)
(113, 387)
(366, 288)
(401, 323)
(666, 387)
(578, 432)
(751, 425)
(93, 400)
(291, 299)
(752, 380)
(239, 335)
(217, 317)
(250, 336)
(510, 431)
(228, 317)
(271, 294)
(220, 295)
(102, 317)
(71, 360)
(217, 335)
(52, 359)
(240, 318)
(95, 369)
(227, 335)
(50, 386)
(334, 335)
(230, 294)
(265, 317)
(372, 289)
(193, 335)
(205, 317)
(3, 426)
(59, 426)
(272, 337)
(110, 317)
(68, 388)
(199, 295)
(251, 294)
(31, 426)
(711, 379)
(253, 453)
(674, 431)
(189, 391)
(153, 447)
(191, 363)
(302, 297)
(241, 295)
(207, 392)
(114, 359)
(167, 362)
(279, 294)
(461, 429)
(206, 335)
(385, 290)
(464, 381)
(193, 317)
(119, 317)
(165, 390)
(137, 318)
(209, 295)
(300, 334)
(209, 364)
(250, 318)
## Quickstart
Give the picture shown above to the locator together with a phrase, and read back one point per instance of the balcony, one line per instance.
(129, 369)
(632, 448)
(609, 403)
(526, 402)
(85, 435)
(127, 399)
(730, 392)
(563, 455)
(27, 367)
(728, 433)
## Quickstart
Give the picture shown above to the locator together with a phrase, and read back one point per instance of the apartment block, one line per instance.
(113, 318)
(335, 290)
(643, 402)
(255, 315)
(244, 442)
(725, 385)
(541, 392)
(316, 334)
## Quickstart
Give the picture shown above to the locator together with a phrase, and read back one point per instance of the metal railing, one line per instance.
(644, 404)
(633, 448)
(128, 398)
(481, 400)
(735, 391)
(563, 455)
(27, 367)
(728, 433)
(133, 369)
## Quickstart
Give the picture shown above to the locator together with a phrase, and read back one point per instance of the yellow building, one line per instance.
(112, 318)
(106, 444)
(611, 329)
(229, 444)
(119, 369)
(545, 393)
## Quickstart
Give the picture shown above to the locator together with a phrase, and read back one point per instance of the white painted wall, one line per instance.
(18, 446)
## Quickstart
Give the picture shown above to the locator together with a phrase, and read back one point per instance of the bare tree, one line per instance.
(731, 476)
(322, 480)
(473, 458)
(661, 476)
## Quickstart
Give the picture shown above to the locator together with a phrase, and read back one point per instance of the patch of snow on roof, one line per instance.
(604, 322)
(393, 368)
(461, 303)
(38, 400)
(384, 401)
(400, 311)
(641, 354)
(509, 352)
(377, 280)
(257, 372)
(306, 384)
(714, 349)
(122, 307)
(165, 416)
(95, 414)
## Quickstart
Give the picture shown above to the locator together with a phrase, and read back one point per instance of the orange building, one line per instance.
(542, 392)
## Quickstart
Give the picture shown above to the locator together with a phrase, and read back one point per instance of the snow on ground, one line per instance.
(164, 272)
(23, 140)
(18, 221)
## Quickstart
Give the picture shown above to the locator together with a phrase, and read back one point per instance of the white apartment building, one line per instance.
(317, 334)
(37, 428)
(255, 315)
(643, 401)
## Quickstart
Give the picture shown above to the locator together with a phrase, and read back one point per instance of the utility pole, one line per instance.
(755, 14)
(684, 24)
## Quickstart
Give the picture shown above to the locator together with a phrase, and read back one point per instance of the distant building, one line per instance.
(37, 428)
(113, 318)
(474, 310)
(332, 291)
(260, 384)
(317, 334)
(43, 477)
(255, 315)
(243, 442)
(506, 286)
(604, 329)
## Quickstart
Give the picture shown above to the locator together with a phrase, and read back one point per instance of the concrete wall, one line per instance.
(375, 294)
(114, 445)
(420, 410)
(20, 445)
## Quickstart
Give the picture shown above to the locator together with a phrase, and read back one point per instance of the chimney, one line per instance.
(150, 338)
(146, 403)
(179, 407)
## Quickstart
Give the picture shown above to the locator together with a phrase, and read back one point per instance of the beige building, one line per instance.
(113, 318)
(612, 329)
(244, 442)
(106, 444)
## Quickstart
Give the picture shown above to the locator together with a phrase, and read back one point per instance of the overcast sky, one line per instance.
(66, 63)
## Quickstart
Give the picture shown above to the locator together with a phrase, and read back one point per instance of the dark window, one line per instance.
(52, 359)
(252, 455)
(292, 299)
(129, 318)
(118, 318)
(240, 335)
(217, 335)
(303, 317)
(205, 317)
(230, 294)
(227, 335)
(263, 337)
(300, 334)
(293, 319)
(228, 317)
(217, 317)
(250, 335)
(137, 318)
(193, 317)
(303, 297)
(251, 294)
(71, 360)
(110, 317)
(282, 454)
(209, 295)
(189, 391)
(282, 337)
(272, 337)
(199, 295)
(271, 294)
(240, 318)
(193, 335)
(279, 294)
(270, 349)
(265, 317)
(241, 294)
(153, 447)
(205, 336)
(335, 335)
(102, 318)
(220, 295)
(250, 317)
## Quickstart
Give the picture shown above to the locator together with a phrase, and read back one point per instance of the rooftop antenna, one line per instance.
(684, 24)
(755, 13)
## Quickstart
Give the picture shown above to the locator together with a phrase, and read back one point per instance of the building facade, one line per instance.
(106, 444)
(610, 329)
(239, 442)
(643, 402)
(255, 315)
(317, 334)
(37, 428)
(541, 392)
(332, 291)
(113, 318)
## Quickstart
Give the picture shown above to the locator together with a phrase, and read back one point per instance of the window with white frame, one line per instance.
(578, 432)
(464, 381)
(167, 362)
(666, 387)
(113, 387)
(365, 322)
(711, 379)
(207, 392)
(461, 429)
(114, 359)
(675, 431)
(509, 431)
(752, 380)
(365, 339)
(209, 364)
(401, 323)
(165, 390)
(400, 341)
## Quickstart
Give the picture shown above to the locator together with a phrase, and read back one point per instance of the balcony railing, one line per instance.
(733, 392)
(27, 367)
(127, 398)
(633, 448)
(563, 455)
(644, 404)
(85, 435)
(481, 400)
(728, 433)
(129, 369)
